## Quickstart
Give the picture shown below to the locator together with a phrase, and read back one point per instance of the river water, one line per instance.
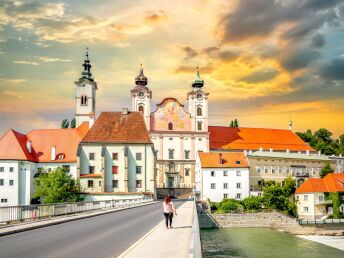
(261, 243)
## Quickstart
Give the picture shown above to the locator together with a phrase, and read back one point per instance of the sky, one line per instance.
(264, 62)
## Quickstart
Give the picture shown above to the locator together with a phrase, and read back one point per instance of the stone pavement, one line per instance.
(161, 242)
(333, 241)
(25, 226)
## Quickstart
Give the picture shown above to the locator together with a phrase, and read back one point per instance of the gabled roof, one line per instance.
(291, 155)
(13, 144)
(115, 127)
(241, 138)
(223, 160)
(332, 182)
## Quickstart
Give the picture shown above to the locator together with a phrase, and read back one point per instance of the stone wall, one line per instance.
(276, 221)
(178, 193)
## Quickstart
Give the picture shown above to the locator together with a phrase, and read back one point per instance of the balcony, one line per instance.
(163, 185)
(300, 174)
(256, 188)
(318, 202)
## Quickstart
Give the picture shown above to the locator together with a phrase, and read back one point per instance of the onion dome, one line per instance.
(86, 73)
(197, 82)
(141, 79)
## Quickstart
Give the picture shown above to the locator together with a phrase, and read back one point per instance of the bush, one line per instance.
(253, 203)
(230, 205)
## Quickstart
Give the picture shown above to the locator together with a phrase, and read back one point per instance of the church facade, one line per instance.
(178, 133)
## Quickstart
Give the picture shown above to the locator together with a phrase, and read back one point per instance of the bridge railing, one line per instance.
(38, 211)
(195, 249)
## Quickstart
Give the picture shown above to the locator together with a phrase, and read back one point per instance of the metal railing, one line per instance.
(319, 221)
(163, 185)
(38, 211)
(324, 201)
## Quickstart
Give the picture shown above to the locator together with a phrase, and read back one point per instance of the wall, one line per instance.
(9, 192)
(277, 221)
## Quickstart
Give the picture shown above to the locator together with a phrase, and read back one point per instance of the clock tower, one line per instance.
(198, 105)
(141, 97)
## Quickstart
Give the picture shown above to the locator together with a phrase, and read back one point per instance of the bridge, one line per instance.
(131, 232)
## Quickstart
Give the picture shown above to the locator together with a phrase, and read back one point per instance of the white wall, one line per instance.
(11, 193)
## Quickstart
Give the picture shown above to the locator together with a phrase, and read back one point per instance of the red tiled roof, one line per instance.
(333, 182)
(242, 138)
(13, 144)
(229, 160)
(113, 127)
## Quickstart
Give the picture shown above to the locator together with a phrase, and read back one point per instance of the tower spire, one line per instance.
(197, 82)
(141, 79)
(86, 73)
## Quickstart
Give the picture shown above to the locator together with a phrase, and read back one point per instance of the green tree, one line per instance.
(289, 186)
(230, 205)
(57, 186)
(72, 123)
(274, 197)
(326, 170)
(231, 124)
(253, 202)
(235, 123)
(65, 123)
(323, 135)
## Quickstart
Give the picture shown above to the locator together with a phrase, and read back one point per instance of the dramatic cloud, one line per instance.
(157, 16)
(52, 59)
(334, 70)
(318, 40)
(188, 52)
(260, 76)
(293, 59)
(25, 62)
(14, 81)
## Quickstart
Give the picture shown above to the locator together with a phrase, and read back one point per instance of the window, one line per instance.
(2, 169)
(305, 209)
(139, 156)
(90, 183)
(199, 126)
(199, 111)
(141, 109)
(212, 173)
(237, 162)
(100, 183)
(238, 196)
(238, 173)
(61, 156)
(66, 168)
(259, 194)
(11, 182)
(279, 169)
(225, 186)
(225, 196)
(91, 169)
(238, 185)
(225, 173)
(114, 183)
(287, 170)
(305, 197)
(83, 100)
(258, 169)
(321, 198)
(170, 126)
(171, 154)
(1, 182)
(114, 156)
(91, 156)
(273, 170)
(212, 186)
(171, 139)
(11, 169)
(187, 171)
(138, 183)
(4, 200)
(114, 169)
(138, 169)
(266, 170)
(187, 154)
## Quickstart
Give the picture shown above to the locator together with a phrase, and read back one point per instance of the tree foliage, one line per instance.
(65, 123)
(57, 186)
(234, 123)
(326, 170)
(321, 140)
(73, 123)
(253, 203)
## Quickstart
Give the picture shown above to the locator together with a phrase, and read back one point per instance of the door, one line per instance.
(170, 182)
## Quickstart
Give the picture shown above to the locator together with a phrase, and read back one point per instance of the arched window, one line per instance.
(199, 111)
(170, 126)
(199, 126)
(171, 153)
(141, 109)
(83, 100)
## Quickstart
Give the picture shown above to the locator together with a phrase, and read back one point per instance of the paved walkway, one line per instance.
(333, 241)
(161, 242)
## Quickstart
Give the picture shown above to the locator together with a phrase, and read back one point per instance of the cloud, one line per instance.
(333, 70)
(190, 69)
(14, 81)
(12, 94)
(25, 62)
(188, 52)
(52, 59)
(155, 16)
(296, 58)
(260, 75)
(318, 40)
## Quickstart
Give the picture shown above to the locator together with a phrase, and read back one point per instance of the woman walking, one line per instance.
(168, 211)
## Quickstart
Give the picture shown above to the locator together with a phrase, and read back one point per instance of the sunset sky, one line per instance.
(263, 61)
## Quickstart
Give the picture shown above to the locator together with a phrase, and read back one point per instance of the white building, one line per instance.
(22, 156)
(177, 134)
(222, 175)
(117, 156)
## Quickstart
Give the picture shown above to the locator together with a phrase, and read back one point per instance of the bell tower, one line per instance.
(141, 97)
(85, 95)
(198, 105)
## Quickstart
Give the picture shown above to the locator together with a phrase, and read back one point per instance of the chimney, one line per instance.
(53, 152)
(124, 111)
(307, 152)
(299, 152)
(319, 153)
(245, 152)
(290, 125)
(271, 150)
(28, 146)
(220, 158)
(261, 148)
(287, 151)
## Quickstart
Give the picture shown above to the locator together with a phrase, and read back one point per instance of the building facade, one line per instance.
(177, 134)
(222, 175)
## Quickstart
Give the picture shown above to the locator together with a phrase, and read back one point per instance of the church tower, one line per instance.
(198, 105)
(141, 97)
(85, 95)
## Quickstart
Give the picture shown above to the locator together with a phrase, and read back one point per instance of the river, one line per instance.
(261, 243)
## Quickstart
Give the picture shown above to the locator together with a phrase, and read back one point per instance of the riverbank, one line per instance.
(333, 241)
